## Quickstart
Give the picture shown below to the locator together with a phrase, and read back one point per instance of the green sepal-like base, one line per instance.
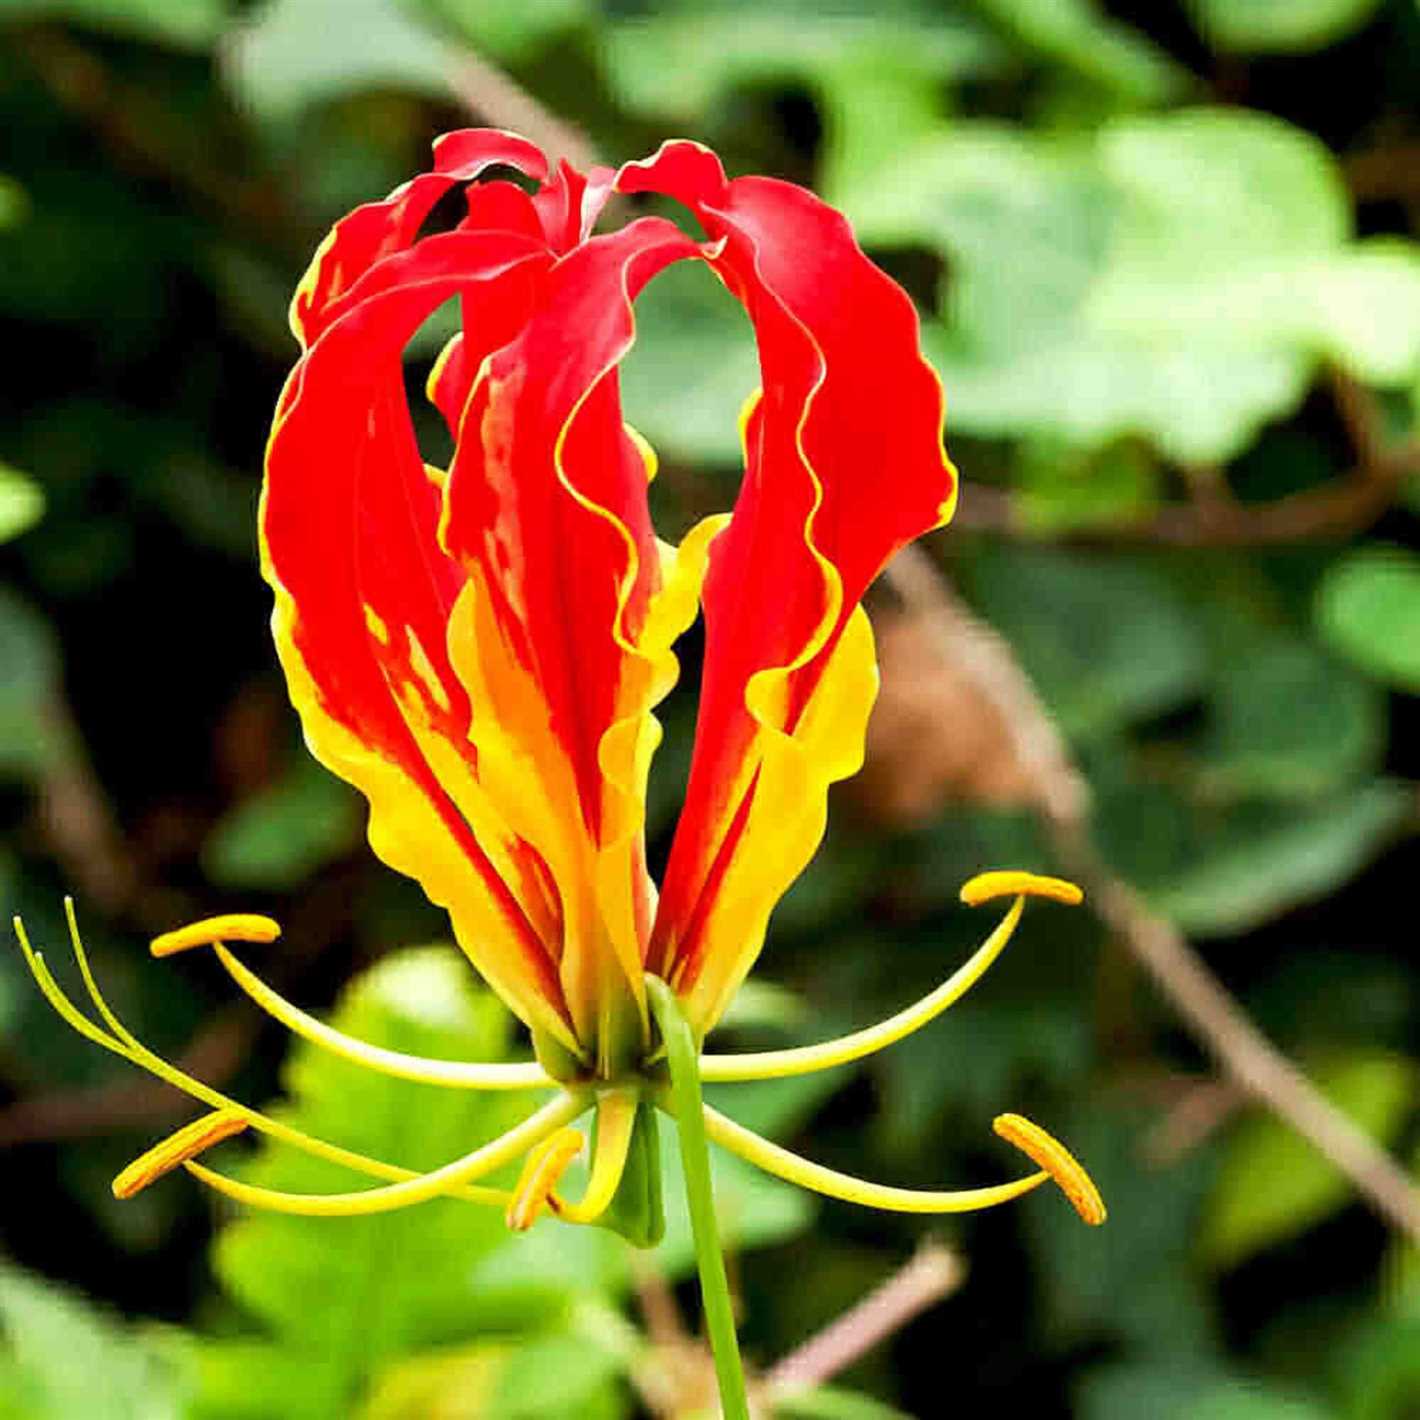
(637, 1211)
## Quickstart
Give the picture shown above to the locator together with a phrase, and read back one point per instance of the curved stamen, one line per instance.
(233, 927)
(803, 1060)
(542, 1172)
(128, 1047)
(616, 1118)
(1068, 1172)
(454, 1073)
(790, 1167)
(186, 1143)
(502, 1150)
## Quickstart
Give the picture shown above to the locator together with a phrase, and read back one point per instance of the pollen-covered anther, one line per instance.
(1046, 1150)
(986, 887)
(189, 1141)
(542, 1172)
(231, 927)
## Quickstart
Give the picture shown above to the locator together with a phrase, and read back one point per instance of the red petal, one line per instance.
(378, 229)
(844, 466)
(363, 596)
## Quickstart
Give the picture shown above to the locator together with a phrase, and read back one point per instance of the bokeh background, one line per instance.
(1164, 253)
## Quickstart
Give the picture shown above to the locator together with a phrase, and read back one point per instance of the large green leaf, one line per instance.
(1369, 610)
(1279, 26)
(351, 1296)
(61, 1358)
(1273, 1184)
(300, 52)
(1180, 277)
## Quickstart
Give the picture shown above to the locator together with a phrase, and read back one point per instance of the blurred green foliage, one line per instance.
(1166, 260)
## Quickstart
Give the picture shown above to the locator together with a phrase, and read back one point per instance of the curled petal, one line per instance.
(561, 636)
(363, 596)
(844, 465)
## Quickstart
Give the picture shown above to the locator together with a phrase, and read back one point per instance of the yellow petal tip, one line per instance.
(984, 887)
(233, 927)
(1050, 1154)
(189, 1141)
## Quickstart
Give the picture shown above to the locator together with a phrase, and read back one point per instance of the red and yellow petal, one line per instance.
(363, 596)
(844, 465)
(558, 635)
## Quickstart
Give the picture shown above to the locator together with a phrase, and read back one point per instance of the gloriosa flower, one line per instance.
(480, 649)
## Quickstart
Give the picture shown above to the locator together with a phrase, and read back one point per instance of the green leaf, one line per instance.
(1106, 642)
(830, 1403)
(1368, 609)
(1167, 1391)
(1077, 35)
(1179, 277)
(353, 1297)
(556, 1378)
(1279, 26)
(301, 52)
(282, 835)
(189, 24)
(13, 202)
(1274, 1185)
(64, 1358)
(21, 503)
(692, 368)
(31, 738)
(509, 32)
(1230, 872)
(1287, 722)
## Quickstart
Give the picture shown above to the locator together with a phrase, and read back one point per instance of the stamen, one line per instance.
(1067, 1171)
(502, 1150)
(542, 1172)
(232, 927)
(189, 1141)
(985, 886)
(772, 1158)
(616, 1120)
(497, 1075)
(127, 1047)
(805, 1059)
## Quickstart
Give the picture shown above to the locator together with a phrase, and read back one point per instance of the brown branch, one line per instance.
(1247, 1057)
(933, 1273)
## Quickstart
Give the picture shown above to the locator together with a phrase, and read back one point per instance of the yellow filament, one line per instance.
(789, 1166)
(1067, 1171)
(542, 1172)
(189, 1141)
(233, 927)
(129, 1048)
(420, 1189)
(803, 1060)
(985, 886)
(458, 1074)
(616, 1118)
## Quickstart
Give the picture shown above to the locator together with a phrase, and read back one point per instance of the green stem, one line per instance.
(682, 1057)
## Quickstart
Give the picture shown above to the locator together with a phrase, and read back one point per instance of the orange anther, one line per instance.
(1067, 1171)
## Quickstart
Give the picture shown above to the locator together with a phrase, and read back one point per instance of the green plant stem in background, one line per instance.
(682, 1058)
